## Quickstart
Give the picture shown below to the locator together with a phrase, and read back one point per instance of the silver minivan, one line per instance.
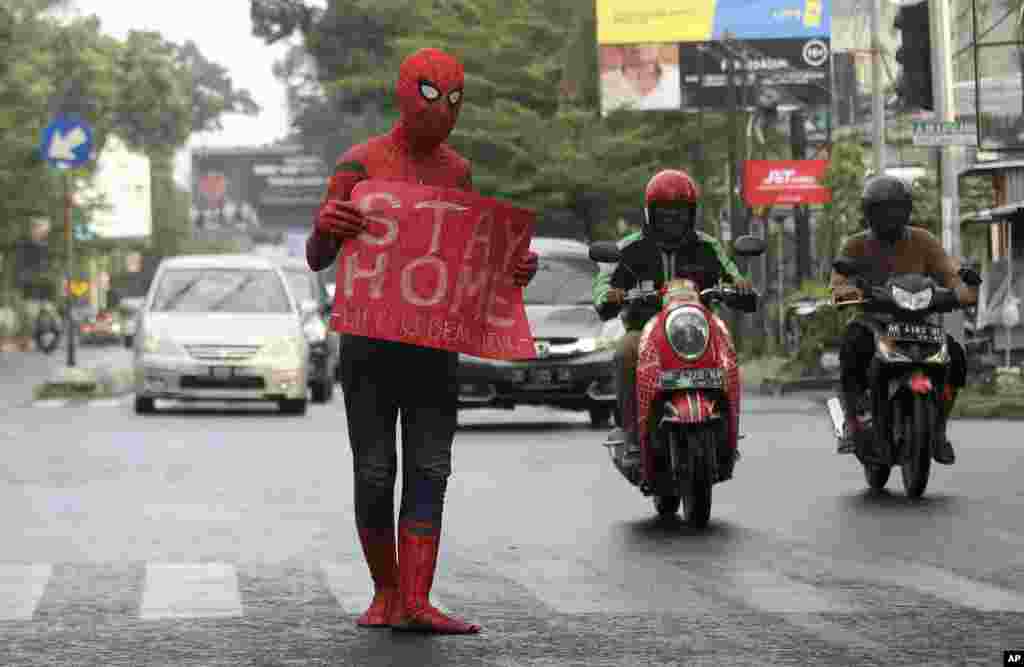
(221, 328)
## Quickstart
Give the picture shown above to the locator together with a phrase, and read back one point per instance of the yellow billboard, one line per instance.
(661, 21)
(636, 21)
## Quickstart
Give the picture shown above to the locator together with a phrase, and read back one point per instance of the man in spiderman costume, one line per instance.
(668, 246)
(376, 374)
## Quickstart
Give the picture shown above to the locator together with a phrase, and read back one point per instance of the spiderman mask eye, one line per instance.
(429, 91)
(454, 97)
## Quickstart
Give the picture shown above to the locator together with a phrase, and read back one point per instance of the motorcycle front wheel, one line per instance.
(667, 505)
(694, 446)
(876, 475)
(917, 466)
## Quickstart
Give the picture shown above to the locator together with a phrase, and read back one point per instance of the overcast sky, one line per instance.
(223, 32)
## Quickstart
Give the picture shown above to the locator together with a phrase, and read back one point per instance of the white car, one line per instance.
(221, 328)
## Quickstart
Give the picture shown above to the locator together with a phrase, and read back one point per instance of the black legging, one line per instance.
(382, 380)
(857, 349)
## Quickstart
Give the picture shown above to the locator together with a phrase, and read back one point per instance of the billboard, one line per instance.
(798, 69)
(785, 182)
(674, 54)
(640, 77)
(255, 195)
(673, 21)
(123, 180)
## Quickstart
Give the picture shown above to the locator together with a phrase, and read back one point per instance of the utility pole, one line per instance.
(945, 109)
(736, 324)
(69, 270)
(877, 99)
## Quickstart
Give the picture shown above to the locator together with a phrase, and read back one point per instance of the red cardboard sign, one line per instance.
(785, 182)
(434, 268)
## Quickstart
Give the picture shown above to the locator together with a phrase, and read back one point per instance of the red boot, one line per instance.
(379, 550)
(418, 544)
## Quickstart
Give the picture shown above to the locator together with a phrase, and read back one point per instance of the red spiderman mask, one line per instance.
(429, 95)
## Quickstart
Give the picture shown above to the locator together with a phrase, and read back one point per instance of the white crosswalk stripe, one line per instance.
(190, 590)
(212, 590)
(21, 588)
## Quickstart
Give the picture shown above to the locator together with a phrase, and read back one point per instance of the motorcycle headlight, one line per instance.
(314, 331)
(912, 300)
(687, 332)
(161, 345)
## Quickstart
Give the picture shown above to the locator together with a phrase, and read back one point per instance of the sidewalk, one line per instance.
(21, 372)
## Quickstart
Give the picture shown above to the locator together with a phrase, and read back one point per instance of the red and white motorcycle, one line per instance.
(687, 369)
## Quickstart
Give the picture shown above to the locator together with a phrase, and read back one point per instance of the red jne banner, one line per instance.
(785, 182)
(434, 268)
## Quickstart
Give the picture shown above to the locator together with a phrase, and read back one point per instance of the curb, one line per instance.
(88, 381)
(113, 400)
(779, 388)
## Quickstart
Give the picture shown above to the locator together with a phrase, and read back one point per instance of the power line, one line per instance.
(992, 27)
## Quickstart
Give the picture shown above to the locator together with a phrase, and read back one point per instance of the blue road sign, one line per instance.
(67, 142)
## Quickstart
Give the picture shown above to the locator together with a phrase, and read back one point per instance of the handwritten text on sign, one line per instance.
(434, 268)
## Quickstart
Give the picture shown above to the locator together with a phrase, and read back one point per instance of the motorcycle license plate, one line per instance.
(541, 377)
(922, 333)
(692, 378)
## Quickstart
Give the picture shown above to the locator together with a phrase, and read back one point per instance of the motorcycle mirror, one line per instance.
(605, 252)
(845, 266)
(749, 246)
(970, 277)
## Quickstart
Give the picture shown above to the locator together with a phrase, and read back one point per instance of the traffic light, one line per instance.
(915, 55)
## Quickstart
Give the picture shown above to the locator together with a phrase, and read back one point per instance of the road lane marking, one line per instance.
(773, 592)
(573, 586)
(923, 578)
(21, 588)
(190, 590)
(350, 583)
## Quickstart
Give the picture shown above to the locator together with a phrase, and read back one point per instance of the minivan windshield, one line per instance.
(221, 291)
(562, 281)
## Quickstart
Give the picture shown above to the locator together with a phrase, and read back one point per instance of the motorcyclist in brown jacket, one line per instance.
(889, 246)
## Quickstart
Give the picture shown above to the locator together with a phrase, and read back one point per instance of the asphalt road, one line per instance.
(213, 537)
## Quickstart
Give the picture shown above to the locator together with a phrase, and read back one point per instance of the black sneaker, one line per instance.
(943, 451)
(631, 452)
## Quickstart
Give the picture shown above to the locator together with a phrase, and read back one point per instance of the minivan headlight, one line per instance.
(286, 348)
(162, 345)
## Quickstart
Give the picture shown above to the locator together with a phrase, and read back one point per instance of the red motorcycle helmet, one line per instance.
(670, 208)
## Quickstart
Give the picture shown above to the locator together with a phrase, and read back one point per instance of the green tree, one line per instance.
(530, 120)
(150, 92)
(842, 218)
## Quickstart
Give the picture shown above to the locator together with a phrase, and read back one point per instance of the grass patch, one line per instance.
(974, 404)
(757, 371)
(85, 385)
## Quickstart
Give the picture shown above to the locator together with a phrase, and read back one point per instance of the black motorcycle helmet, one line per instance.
(887, 204)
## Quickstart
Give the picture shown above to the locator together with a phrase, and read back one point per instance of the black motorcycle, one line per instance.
(47, 331)
(907, 375)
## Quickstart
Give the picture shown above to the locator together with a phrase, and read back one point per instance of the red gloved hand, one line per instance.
(340, 220)
(525, 270)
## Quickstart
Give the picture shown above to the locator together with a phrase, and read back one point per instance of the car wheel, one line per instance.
(144, 405)
(293, 406)
(599, 415)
